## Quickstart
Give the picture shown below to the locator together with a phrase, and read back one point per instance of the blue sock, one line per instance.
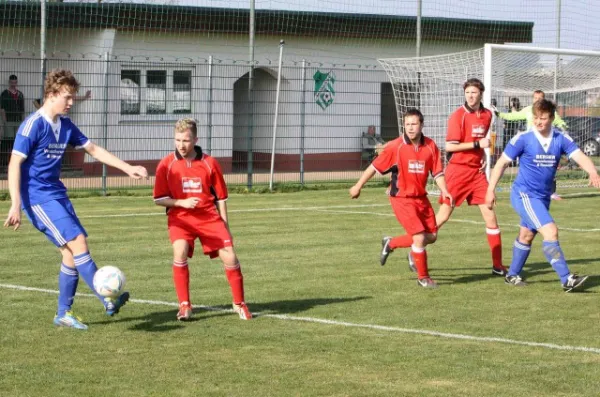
(86, 267)
(555, 256)
(67, 285)
(520, 254)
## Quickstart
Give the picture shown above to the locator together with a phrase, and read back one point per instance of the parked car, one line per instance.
(586, 133)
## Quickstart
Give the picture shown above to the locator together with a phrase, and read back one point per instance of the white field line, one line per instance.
(569, 229)
(286, 317)
(237, 211)
(328, 209)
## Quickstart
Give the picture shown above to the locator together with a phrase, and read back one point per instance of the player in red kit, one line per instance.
(191, 185)
(466, 140)
(410, 159)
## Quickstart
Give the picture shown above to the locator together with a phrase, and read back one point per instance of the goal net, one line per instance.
(511, 74)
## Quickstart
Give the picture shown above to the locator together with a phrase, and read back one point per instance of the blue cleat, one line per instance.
(113, 305)
(69, 320)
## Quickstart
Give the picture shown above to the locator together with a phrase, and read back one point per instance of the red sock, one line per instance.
(181, 278)
(236, 282)
(495, 242)
(419, 255)
(403, 241)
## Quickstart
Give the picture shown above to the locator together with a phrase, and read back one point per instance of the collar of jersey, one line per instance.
(197, 149)
(408, 141)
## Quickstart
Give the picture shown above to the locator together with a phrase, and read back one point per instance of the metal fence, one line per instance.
(328, 118)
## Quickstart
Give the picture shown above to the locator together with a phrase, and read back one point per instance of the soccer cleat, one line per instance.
(385, 250)
(69, 320)
(243, 311)
(499, 271)
(515, 280)
(185, 311)
(573, 282)
(113, 305)
(427, 283)
(411, 263)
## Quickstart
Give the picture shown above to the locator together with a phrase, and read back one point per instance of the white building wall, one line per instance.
(337, 128)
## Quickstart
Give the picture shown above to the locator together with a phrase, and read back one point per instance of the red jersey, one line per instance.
(178, 178)
(410, 165)
(467, 125)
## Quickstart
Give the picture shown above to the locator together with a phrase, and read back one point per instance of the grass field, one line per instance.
(330, 321)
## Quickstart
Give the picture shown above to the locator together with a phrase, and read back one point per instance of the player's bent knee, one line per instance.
(78, 245)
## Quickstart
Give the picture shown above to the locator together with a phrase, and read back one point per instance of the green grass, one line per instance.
(316, 260)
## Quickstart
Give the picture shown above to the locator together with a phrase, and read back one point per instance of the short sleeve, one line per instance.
(438, 166)
(515, 147)
(384, 162)
(219, 187)
(161, 182)
(568, 146)
(26, 138)
(77, 139)
(455, 131)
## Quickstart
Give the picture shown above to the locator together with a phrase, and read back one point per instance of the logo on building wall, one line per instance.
(324, 91)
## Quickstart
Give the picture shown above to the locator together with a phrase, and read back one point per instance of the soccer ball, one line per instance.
(109, 281)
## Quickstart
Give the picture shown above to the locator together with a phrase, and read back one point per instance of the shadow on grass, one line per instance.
(162, 321)
(293, 306)
(165, 321)
(530, 270)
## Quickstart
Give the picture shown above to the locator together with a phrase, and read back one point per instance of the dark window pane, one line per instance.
(182, 91)
(130, 91)
(156, 91)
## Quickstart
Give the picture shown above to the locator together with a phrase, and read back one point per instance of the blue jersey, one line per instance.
(43, 144)
(539, 159)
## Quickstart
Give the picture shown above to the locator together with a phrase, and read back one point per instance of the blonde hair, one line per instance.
(185, 124)
(58, 79)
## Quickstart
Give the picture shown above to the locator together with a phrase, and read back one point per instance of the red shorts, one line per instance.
(209, 228)
(465, 183)
(415, 214)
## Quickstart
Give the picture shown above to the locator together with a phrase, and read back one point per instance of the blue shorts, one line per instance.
(534, 212)
(57, 220)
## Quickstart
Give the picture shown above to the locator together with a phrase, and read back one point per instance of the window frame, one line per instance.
(170, 70)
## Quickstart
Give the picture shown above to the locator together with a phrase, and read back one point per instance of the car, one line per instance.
(585, 130)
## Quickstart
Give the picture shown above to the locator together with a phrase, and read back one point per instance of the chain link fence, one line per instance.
(330, 118)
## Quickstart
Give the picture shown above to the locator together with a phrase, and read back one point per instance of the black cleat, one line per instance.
(574, 282)
(515, 281)
(385, 250)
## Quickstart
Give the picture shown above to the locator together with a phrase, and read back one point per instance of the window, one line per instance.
(182, 90)
(155, 91)
(130, 92)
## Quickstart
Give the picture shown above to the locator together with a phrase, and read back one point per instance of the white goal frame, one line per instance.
(488, 62)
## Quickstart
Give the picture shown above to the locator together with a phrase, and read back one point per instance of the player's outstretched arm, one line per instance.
(559, 122)
(514, 116)
(104, 156)
(497, 172)
(368, 174)
(588, 166)
(14, 188)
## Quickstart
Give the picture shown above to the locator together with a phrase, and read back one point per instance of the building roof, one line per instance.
(185, 19)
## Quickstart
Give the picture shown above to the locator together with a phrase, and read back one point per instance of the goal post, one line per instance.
(511, 74)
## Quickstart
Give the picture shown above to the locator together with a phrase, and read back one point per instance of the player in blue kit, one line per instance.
(34, 186)
(539, 150)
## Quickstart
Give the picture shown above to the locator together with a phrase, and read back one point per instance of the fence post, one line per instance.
(210, 107)
(302, 120)
(43, 48)
(105, 120)
(281, 44)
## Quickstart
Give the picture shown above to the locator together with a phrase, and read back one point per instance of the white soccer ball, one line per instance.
(109, 281)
